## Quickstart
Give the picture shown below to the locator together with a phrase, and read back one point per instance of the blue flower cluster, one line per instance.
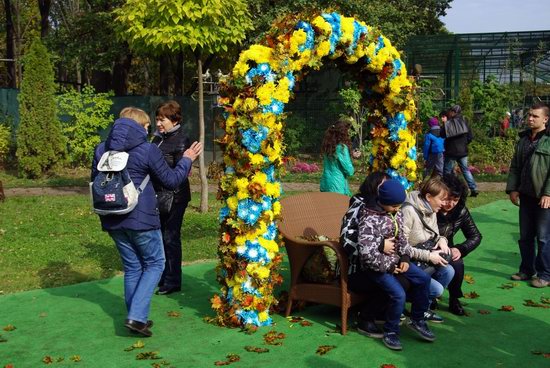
(248, 288)
(395, 175)
(224, 212)
(395, 124)
(263, 70)
(254, 252)
(276, 107)
(396, 67)
(412, 153)
(252, 139)
(291, 79)
(334, 21)
(251, 317)
(358, 31)
(310, 36)
(271, 232)
(379, 45)
(270, 172)
(249, 211)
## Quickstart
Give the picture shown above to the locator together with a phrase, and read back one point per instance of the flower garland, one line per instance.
(254, 97)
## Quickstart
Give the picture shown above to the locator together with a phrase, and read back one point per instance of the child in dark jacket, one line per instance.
(433, 149)
(385, 252)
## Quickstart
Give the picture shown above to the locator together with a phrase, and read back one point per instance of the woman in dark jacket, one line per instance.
(452, 217)
(172, 141)
(137, 234)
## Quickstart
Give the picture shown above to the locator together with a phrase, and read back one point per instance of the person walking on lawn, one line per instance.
(137, 234)
(528, 186)
(337, 164)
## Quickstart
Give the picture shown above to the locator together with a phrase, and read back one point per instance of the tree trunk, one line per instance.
(202, 167)
(164, 75)
(10, 51)
(121, 70)
(44, 6)
(195, 84)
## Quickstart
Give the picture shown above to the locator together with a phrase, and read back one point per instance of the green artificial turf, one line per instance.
(86, 319)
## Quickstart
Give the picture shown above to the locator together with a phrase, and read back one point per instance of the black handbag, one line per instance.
(165, 199)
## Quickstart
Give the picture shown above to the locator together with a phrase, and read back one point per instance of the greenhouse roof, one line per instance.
(511, 56)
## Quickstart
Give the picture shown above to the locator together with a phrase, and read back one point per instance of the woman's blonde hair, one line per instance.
(138, 115)
(433, 186)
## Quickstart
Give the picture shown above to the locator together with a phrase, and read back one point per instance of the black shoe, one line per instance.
(149, 324)
(456, 308)
(431, 316)
(422, 329)
(474, 193)
(370, 329)
(391, 340)
(139, 327)
(166, 290)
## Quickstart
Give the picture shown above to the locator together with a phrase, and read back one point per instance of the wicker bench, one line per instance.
(305, 216)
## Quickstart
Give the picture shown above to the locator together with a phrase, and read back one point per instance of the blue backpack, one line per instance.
(113, 192)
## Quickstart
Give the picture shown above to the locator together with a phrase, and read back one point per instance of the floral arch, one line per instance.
(254, 97)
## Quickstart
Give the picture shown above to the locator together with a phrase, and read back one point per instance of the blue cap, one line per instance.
(391, 192)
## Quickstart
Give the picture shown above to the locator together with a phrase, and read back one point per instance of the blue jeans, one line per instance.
(142, 257)
(418, 295)
(463, 164)
(534, 222)
(441, 278)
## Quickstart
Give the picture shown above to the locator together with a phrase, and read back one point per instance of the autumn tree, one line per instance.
(205, 27)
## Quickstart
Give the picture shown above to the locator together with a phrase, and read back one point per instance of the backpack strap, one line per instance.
(143, 184)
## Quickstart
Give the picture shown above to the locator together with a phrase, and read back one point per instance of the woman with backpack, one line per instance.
(137, 234)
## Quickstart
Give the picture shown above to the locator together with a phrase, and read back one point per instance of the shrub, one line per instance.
(87, 112)
(40, 143)
(5, 138)
(304, 167)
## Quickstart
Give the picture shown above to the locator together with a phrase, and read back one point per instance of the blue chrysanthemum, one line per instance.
(271, 232)
(224, 212)
(379, 45)
(395, 124)
(334, 20)
(249, 211)
(253, 252)
(229, 170)
(276, 107)
(252, 139)
(412, 153)
(358, 31)
(310, 36)
(291, 81)
(270, 172)
(396, 67)
(247, 287)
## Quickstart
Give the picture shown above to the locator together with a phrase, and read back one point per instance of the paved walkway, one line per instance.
(288, 187)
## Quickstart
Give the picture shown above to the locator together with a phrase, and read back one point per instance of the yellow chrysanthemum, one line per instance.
(282, 92)
(250, 104)
(263, 316)
(298, 38)
(273, 189)
(347, 27)
(257, 270)
(276, 208)
(232, 203)
(269, 245)
(265, 93)
(320, 23)
(323, 49)
(255, 158)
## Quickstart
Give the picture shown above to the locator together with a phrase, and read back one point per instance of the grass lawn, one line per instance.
(48, 241)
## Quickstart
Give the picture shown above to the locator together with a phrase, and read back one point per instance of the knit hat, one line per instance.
(391, 192)
(433, 122)
(456, 109)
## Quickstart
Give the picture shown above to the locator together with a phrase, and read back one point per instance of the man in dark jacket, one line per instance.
(458, 135)
(454, 217)
(529, 188)
(137, 234)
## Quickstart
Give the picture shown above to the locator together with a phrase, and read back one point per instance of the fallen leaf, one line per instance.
(536, 352)
(8, 366)
(221, 362)
(506, 308)
(530, 303)
(75, 358)
(174, 314)
(60, 359)
(544, 300)
(2, 339)
(232, 358)
(469, 279)
(153, 355)
(323, 349)
(9, 328)
(137, 345)
(47, 360)
(43, 314)
(388, 366)
(254, 349)
(509, 285)
(472, 295)
(274, 338)
(306, 323)
(483, 311)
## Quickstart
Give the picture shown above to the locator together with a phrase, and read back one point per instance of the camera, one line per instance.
(446, 256)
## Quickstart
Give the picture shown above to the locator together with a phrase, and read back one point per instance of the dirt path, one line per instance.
(287, 187)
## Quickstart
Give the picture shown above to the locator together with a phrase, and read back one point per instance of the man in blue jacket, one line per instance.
(137, 234)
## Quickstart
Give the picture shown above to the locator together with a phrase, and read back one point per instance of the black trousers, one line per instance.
(170, 225)
(455, 287)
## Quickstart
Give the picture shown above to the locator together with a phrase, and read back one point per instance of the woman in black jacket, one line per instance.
(172, 141)
(452, 217)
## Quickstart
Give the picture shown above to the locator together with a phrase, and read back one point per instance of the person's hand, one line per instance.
(442, 245)
(455, 254)
(389, 246)
(544, 202)
(194, 151)
(436, 259)
(514, 198)
(403, 267)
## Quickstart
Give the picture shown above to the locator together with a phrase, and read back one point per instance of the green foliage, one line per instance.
(493, 151)
(426, 105)
(88, 113)
(294, 129)
(40, 143)
(466, 101)
(356, 112)
(173, 25)
(5, 143)
(493, 100)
